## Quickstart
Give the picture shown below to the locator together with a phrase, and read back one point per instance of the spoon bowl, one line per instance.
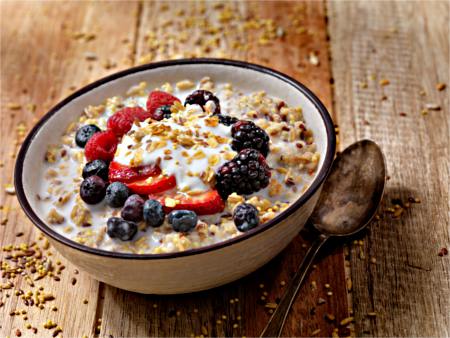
(352, 192)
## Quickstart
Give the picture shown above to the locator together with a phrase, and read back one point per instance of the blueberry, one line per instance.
(245, 217)
(119, 228)
(162, 112)
(133, 208)
(153, 213)
(92, 189)
(85, 133)
(183, 220)
(116, 194)
(96, 167)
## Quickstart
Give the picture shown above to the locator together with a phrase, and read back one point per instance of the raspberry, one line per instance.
(120, 123)
(157, 99)
(245, 174)
(246, 134)
(101, 146)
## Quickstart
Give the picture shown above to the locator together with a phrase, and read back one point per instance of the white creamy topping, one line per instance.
(186, 162)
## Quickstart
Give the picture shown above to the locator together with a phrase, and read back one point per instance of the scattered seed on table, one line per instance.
(440, 86)
(443, 252)
(346, 321)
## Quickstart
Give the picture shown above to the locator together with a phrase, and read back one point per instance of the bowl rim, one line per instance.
(316, 183)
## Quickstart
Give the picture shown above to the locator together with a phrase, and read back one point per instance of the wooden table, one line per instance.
(377, 66)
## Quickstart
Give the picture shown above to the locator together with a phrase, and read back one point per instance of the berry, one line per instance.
(116, 194)
(101, 146)
(183, 220)
(133, 208)
(207, 203)
(152, 185)
(96, 167)
(200, 97)
(118, 228)
(162, 112)
(85, 133)
(122, 121)
(124, 173)
(245, 174)
(245, 217)
(153, 213)
(246, 134)
(157, 99)
(227, 119)
(92, 189)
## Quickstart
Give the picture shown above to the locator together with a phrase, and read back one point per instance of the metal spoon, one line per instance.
(349, 200)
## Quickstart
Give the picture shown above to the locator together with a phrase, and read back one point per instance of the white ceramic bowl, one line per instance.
(195, 269)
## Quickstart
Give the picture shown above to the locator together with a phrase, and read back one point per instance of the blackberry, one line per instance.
(200, 97)
(246, 134)
(245, 217)
(85, 133)
(162, 112)
(227, 119)
(245, 174)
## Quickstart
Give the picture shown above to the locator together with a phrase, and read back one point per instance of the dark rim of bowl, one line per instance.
(318, 180)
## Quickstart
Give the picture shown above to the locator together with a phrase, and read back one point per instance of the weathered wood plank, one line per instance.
(304, 32)
(41, 61)
(407, 44)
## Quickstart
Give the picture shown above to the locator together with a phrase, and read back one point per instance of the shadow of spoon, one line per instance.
(349, 199)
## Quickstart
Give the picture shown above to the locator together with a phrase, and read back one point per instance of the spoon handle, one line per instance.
(276, 322)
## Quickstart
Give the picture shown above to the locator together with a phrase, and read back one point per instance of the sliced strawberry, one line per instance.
(152, 185)
(207, 203)
(124, 173)
(157, 99)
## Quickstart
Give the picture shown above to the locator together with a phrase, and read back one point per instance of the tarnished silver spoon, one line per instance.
(350, 197)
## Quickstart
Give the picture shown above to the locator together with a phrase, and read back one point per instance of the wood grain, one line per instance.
(408, 287)
(41, 62)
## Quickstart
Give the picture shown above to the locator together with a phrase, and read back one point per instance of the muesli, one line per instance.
(176, 167)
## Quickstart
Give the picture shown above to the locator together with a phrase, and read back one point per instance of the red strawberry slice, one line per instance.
(207, 203)
(157, 99)
(124, 173)
(101, 146)
(152, 185)
(122, 121)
